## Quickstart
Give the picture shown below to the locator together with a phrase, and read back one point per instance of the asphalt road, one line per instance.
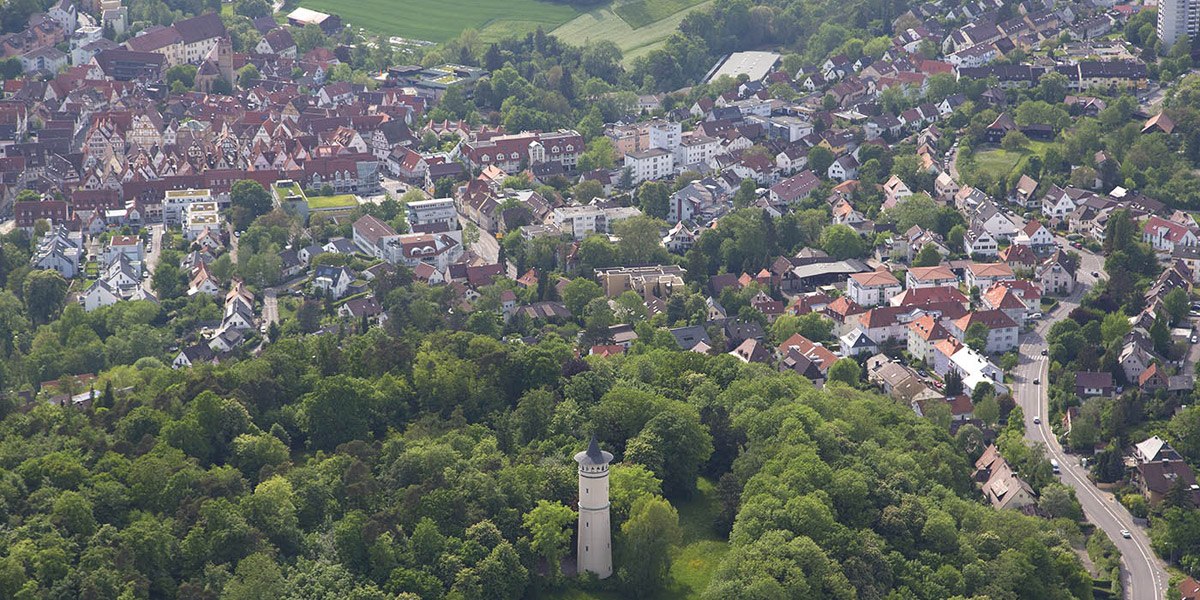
(152, 254)
(1143, 574)
(270, 311)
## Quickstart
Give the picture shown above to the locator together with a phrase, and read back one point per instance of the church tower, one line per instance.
(594, 551)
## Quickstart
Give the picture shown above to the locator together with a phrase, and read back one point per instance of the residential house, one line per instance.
(1165, 235)
(332, 280)
(1093, 383)
(983, 275)
(794, 188)
(923, 334)
(1002, 331)
(1005, 300)
(873, 288)
(1000, 484)
(936, 276)
(843, 168)
(1056, 274)
(856, 342)
(1035, 235)
(979, 243)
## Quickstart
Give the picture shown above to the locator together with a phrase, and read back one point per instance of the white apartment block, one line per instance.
(176, 201)
(432, 213)
(1177, 20)
(654, 163)
(199, 216)
(695, 149)
(665, 135)
(582, 221)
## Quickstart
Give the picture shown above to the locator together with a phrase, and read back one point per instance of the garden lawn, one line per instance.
(441, 20)
(998, 163)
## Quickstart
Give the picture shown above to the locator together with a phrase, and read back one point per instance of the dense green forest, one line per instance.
(438, 464)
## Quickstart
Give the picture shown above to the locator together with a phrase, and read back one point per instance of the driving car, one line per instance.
(1096, 274)
(1037, 382)
(1037, 420)
(1125, 534)
(1044, 352)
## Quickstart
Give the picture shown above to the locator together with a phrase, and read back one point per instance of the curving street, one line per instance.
(1143, 574)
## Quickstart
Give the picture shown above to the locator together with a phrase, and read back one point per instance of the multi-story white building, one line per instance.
(696, 149)
(1178, 20)
(176, 201)
(582, 221)
(436, 213)
(666, 135)
(200, 216)
(873, 288)
(654, 163)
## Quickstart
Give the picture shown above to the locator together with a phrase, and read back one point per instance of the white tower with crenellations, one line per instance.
(594, 551)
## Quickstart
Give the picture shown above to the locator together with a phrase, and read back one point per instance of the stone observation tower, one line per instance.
(594, 551)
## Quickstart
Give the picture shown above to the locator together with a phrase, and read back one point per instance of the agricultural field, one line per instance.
(441, 20)
(608, 24)
(641, 13)
(635, 26)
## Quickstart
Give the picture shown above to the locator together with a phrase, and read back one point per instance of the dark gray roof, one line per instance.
(593, 456)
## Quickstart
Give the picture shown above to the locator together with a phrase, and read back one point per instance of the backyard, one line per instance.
(995, 164)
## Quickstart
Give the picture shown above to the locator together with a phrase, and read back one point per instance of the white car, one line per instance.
(1125, 534)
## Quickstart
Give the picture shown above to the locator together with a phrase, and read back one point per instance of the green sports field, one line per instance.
(635, 26)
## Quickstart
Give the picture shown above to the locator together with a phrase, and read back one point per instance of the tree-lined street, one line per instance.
(1143, 574)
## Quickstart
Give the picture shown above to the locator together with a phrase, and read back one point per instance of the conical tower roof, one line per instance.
(593, 456)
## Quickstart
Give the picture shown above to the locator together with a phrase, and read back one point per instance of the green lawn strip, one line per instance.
(338, 201)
